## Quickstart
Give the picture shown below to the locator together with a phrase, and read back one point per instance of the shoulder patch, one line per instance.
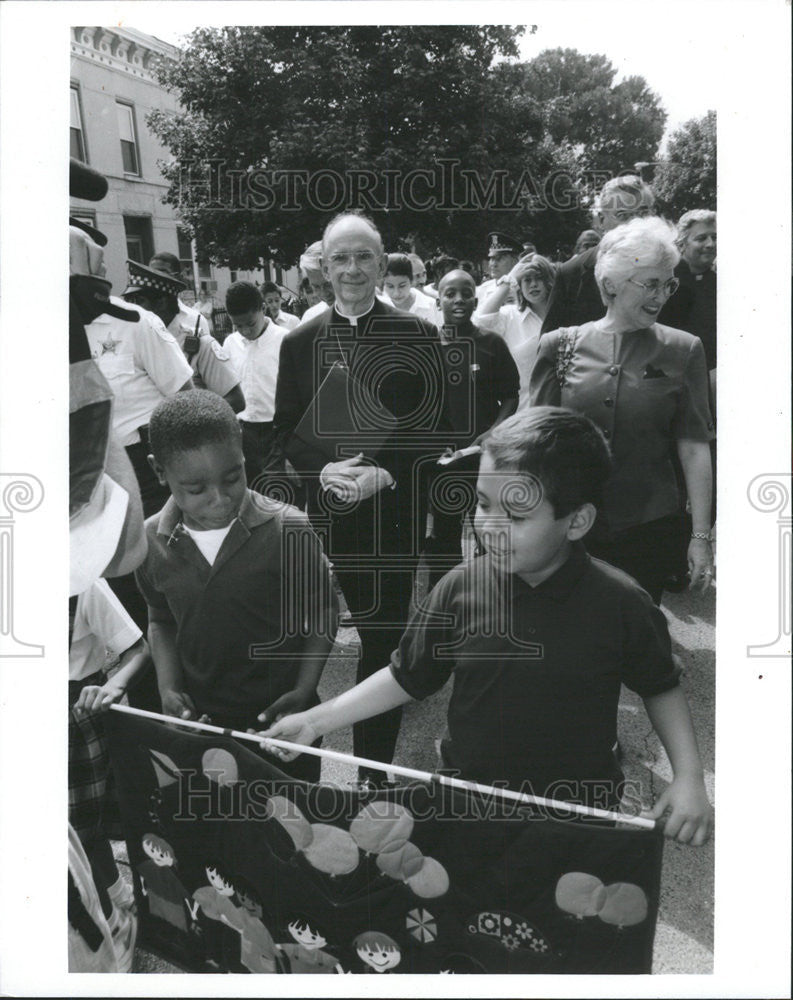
(162, 331)
(217, 350)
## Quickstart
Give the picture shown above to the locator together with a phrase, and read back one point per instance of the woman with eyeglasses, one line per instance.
(646, 386)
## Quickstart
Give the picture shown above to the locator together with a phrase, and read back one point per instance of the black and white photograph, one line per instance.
(425, 593)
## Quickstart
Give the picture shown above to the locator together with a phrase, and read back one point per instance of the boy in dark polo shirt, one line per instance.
(242, 612)
(539, 637)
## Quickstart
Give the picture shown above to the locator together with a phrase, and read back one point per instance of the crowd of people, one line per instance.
(559, 417)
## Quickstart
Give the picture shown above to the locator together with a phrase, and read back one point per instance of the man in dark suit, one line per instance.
(367, 486)
(575, 298)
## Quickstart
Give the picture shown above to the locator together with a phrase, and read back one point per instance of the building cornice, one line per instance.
(126, 50)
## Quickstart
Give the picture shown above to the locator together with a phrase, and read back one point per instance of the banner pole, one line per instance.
(407, 772)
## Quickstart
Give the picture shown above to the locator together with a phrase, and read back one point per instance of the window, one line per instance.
(89, 218)
(140, 242)
(126, 131)
(76, 139)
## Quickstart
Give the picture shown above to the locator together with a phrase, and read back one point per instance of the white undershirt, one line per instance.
(209, 542)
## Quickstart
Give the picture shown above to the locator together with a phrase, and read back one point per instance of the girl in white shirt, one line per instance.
(520, 324)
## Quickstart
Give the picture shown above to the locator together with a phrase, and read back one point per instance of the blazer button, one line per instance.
(607, 434)
(608, 402)
(614, 370)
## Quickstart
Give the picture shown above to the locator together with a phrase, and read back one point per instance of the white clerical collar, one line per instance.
(353, 319)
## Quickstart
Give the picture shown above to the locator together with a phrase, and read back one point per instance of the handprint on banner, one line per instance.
(20, 493)
(770, 493)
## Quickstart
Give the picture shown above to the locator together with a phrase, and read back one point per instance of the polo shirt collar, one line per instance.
(252, 513)
(560, 584)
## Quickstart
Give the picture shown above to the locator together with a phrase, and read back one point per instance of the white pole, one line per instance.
(407, 772)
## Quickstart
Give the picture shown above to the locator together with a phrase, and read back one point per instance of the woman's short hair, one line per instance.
(539, 266)
(648, 242)
(688, 220)
(311, 258)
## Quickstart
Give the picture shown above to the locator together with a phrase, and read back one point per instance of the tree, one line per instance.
(281, 127)
(610, 126)
(686, 179)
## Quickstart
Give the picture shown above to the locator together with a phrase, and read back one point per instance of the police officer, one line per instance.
(503, 254)
(157, 288)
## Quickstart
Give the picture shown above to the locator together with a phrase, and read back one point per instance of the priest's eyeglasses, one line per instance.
(361, 257)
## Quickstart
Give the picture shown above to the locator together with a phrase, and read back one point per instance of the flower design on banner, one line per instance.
(511, 931)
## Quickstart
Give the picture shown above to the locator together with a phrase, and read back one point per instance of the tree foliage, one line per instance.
(610, 126)
(259, 103)
(686, 179)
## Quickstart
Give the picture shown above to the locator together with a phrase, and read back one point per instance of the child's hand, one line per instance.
(98, 698)
(179, 704)
(690, 819)
(287, 704)
(293, 729)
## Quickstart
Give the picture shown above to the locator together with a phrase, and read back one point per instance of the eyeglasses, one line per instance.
(360, 256)
(668, 287)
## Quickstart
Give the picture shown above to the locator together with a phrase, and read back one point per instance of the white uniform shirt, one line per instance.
(516, 326)
(256, 362)
(485, 289)
(315, 310)
(287, 320)
(424, 307)
(211, 363)
(103, 630)
(142, 363)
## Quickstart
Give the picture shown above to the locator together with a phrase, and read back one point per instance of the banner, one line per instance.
(238, 868)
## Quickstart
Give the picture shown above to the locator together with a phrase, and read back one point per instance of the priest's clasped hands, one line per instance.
(354, 479)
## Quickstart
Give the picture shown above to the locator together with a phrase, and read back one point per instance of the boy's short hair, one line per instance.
(564, 450)
(269, 287)
(398, 265)
(242, 297)
(190, 420)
